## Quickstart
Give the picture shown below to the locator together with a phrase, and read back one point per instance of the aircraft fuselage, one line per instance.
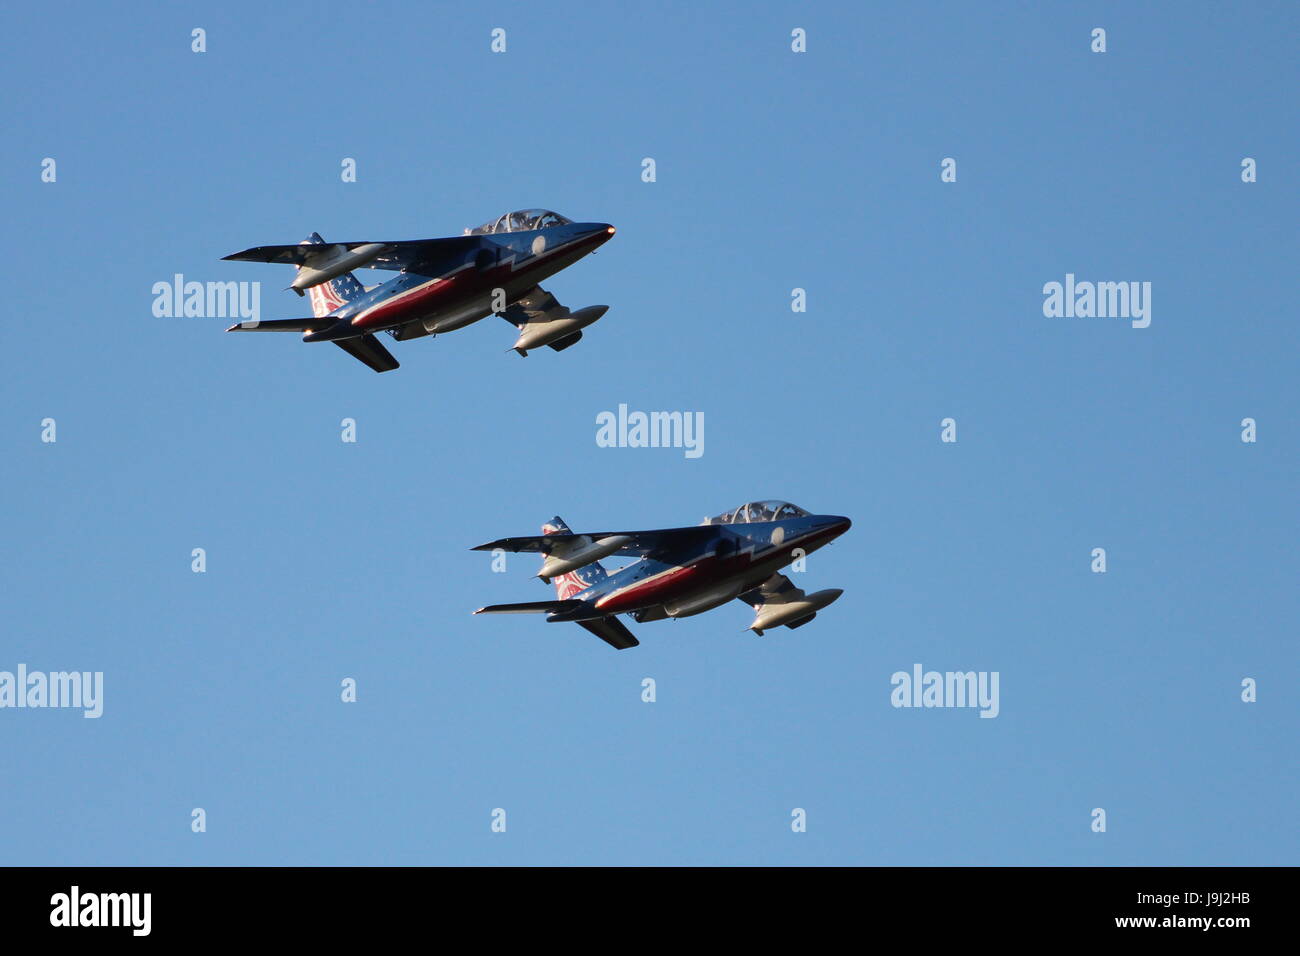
(739, 558)
(461, 288)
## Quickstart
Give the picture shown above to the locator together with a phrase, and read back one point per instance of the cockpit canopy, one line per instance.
(521, 221)
(758, 511)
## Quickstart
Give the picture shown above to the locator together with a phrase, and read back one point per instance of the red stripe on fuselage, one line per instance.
(444, 293)
(661, 587)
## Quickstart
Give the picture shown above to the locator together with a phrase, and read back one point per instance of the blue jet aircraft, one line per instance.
(679, 571)
(443, 285)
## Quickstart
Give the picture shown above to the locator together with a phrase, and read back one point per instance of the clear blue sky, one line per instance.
(775, 170)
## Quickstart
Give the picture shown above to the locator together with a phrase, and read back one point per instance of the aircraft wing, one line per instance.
(642, 543)
(397, 257)
(536, 305)
(778, 589)
(609, 629)
(530, 607)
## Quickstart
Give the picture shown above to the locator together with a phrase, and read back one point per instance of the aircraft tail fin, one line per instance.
(331, 295)
(569, 584)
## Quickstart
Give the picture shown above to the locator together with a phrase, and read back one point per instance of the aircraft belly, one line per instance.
(406, 306)
(436, 298)
(451, 321)
(654, 589)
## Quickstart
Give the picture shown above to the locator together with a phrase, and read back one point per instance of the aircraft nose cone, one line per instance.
(839, 524)
(603, 230)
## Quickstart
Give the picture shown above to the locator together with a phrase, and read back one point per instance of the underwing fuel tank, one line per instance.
(536, 334)
(330, 265)
(774, 615)
(703, 601)
(581, 553)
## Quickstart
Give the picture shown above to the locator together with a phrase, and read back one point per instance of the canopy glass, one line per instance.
(756, 511)
(521, 221)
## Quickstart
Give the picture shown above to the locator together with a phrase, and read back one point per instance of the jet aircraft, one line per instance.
(679, 571)
(442, 285)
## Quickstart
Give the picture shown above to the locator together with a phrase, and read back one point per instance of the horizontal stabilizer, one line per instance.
(281, 325)
(612, 631)
(529, 607)
(369, 350)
